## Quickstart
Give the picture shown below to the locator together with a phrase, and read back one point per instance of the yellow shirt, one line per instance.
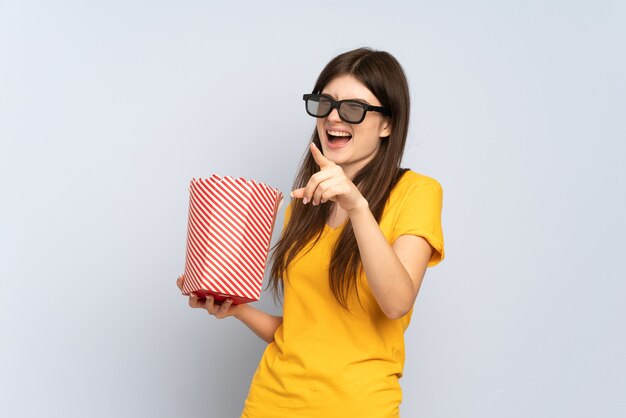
(327, 362)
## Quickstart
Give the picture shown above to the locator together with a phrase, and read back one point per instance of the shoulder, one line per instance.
(414, 189)
(411, 181)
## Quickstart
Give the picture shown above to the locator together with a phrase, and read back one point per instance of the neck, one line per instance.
(350, 170)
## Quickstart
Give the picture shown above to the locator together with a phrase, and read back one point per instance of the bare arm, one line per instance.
(394, 272)
(261, 323)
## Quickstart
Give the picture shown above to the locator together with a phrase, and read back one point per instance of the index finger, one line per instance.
(319, 157)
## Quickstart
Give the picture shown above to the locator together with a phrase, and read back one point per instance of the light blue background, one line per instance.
(109, 108)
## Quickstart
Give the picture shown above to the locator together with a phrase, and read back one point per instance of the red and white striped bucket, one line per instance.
(228, 237)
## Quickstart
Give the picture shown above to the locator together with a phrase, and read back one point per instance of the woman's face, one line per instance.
(348, 145)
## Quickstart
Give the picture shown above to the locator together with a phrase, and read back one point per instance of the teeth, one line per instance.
(338, 133)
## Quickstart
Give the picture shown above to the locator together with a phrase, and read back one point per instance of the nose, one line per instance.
(334, 116)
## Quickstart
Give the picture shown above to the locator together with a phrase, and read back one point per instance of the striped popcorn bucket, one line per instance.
(228, 237)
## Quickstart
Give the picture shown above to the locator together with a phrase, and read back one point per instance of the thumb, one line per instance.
(298, 193)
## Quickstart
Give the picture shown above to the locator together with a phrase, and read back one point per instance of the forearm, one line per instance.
(262, 324)
(389, 281)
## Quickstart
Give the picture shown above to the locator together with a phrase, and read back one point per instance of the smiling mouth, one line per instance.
(338, 137)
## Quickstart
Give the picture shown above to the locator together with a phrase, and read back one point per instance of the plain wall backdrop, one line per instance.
(109, 108)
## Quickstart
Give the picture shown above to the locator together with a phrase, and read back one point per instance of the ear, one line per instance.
(385, 128)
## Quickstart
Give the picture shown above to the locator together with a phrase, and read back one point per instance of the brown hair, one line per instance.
(382, 74)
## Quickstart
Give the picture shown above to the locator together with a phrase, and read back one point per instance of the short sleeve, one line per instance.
(419, 214)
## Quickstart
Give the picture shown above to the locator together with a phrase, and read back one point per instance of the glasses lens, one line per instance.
(351, 112)
(318, 106)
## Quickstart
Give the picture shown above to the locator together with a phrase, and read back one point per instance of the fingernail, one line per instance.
(305, 200)
(229, 300)
(291, 194)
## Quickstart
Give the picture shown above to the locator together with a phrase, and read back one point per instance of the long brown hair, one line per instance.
(382, 74)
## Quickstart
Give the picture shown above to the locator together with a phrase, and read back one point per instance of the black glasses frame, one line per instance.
(335, 104)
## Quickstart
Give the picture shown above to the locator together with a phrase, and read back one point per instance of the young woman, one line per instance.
(358, 236)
